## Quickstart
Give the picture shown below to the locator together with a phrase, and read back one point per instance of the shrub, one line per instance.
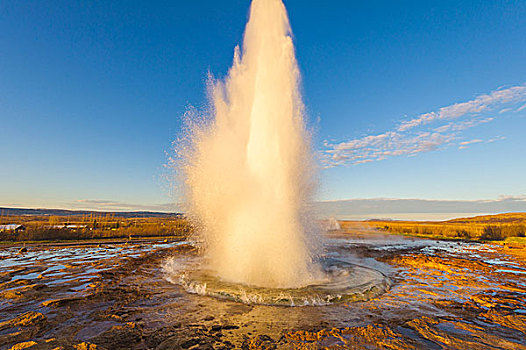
(492, 233)
(516, 230)
(462, 234)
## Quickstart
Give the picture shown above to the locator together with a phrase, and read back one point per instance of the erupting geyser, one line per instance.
(249, 176)
(249, 170)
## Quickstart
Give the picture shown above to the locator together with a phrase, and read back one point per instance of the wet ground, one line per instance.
(453, 295)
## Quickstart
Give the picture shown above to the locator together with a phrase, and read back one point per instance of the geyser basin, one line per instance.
(344, 282)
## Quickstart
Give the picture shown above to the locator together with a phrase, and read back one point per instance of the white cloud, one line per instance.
(462, 125)
(411, 137)
(464, 144)
(481, 103)
(378, 147)
(106, 205)
(470, 142)
(498, 138)
(520, 198)
(521, 108)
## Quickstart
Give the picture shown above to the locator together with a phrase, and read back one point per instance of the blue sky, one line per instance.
(407, 99)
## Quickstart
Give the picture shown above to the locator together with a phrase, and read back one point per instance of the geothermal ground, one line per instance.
(115, 296)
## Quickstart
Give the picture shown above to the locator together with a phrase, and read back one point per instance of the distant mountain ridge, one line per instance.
(65, 212)
(489, 219)
(510, 217)
(418, 209)
(503, 218)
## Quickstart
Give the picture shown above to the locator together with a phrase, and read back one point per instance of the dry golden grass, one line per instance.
(54, 228)
(489, 227)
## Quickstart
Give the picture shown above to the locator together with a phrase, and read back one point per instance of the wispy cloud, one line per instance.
(106, 205)
(378, 147)
(521, 108)
(465, 144)
(481, 103)
(520, 198)
(414, 136)
(497, 138)
(463, 125)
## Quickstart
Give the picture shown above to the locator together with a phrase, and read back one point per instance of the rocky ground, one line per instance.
(444, 295)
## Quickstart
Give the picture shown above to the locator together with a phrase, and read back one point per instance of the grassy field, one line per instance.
(90, 227)
(510, 227)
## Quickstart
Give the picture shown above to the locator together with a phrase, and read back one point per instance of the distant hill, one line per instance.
(505, 218)
(492, 219)
(418, 209)
(498, 227)
(63, 212)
